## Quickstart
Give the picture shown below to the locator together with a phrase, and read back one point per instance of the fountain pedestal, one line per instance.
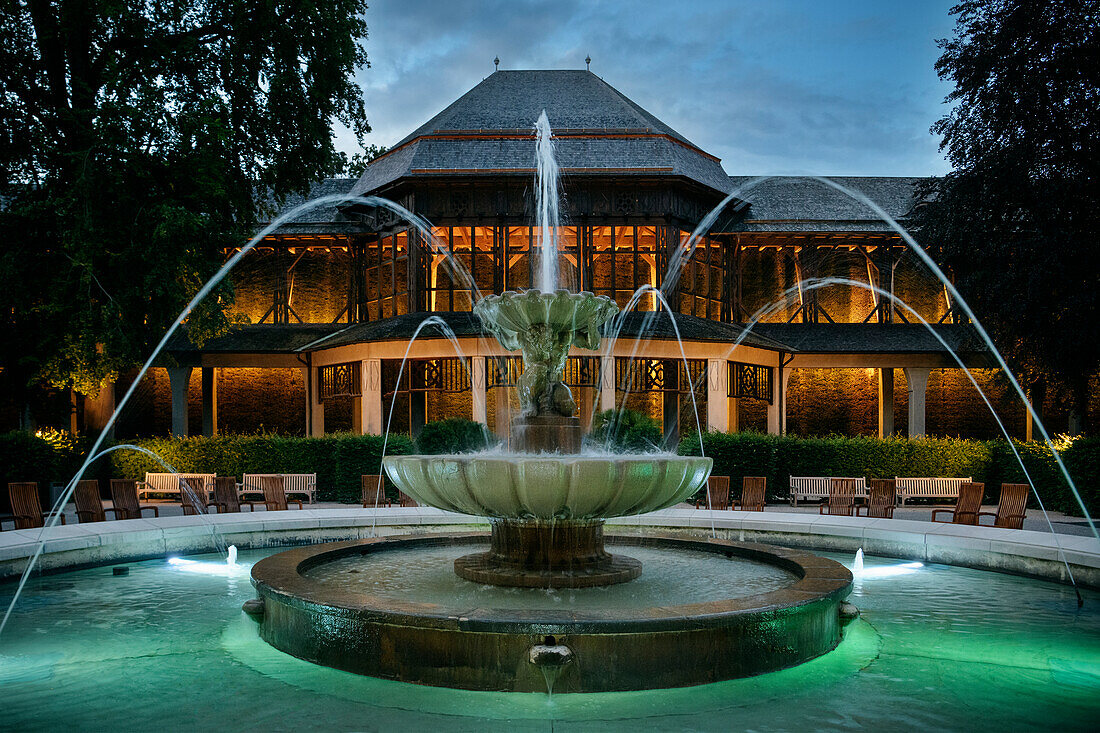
(547, 554)
(546, 434)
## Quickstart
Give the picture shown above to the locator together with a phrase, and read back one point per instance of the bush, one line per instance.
(453, 435)
(338, 459)
(625, 431)
(991, 462)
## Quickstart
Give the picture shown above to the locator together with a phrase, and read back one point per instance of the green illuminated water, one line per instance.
(167, 648)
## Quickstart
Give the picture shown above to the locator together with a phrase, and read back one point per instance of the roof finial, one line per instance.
(588, 62)
(496, 64)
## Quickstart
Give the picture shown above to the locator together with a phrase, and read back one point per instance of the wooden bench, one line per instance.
(817, 487)
(169, 483)
(929, 488)
(293, 483)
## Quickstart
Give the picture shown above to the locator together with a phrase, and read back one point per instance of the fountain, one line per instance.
(546, 500)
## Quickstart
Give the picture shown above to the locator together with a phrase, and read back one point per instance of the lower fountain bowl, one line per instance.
(598, 650)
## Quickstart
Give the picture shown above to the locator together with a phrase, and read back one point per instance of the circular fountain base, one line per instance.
(536, 554)
(479, 644)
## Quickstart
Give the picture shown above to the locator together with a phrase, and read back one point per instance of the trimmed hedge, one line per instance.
(633, 432)
(991, 462)
(338, 459)
(454, 435)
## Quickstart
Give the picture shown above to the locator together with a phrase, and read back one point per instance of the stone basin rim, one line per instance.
(280, 578)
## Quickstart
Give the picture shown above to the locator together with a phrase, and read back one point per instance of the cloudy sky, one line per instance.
(833, 87)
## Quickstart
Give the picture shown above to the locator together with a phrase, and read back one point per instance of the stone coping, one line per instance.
(1018, 551)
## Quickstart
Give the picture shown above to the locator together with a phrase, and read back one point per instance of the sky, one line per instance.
(772, 87)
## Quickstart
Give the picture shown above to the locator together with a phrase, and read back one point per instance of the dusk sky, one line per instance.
(771, 87)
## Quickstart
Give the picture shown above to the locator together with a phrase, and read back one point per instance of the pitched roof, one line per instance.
(597, 129)
(802, 203)
(873, 338)
(325, 218)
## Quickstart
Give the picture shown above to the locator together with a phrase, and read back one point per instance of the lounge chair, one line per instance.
(193, 496)
(226, 499)
(752, 493)
(404, 499)
(89, 507)
(882, 496)
(374, 490)
(842, 497)
(26, 510)
(124, 497)
(1011, 507)
(967, 506)
(718, 493)
(274, 496)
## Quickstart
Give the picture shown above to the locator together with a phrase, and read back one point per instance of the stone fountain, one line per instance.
(546, 500)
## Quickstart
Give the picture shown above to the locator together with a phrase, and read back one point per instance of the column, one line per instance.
(179, 379)
(885, 402)
(316, 406)
(209, 401)
(718, 403)
(917, 382)
(777, 410)
(607, 383)
(373, 418)
(478, 387)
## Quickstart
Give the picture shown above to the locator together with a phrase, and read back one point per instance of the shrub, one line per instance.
(338, 459)
(625, 431)
(991, 462)
(453, 435)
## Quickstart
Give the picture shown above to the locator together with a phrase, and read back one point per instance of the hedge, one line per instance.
(991, 462)
(338, 459)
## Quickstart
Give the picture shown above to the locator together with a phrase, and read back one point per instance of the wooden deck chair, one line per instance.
(882, 496)
(274, 494)
(752, 493)
(404, 499)
(124, 497)
(26, 510)
(374, 490)
(1011, 507)
(226, 499)
(718, 493)
(967, 506)
(193, 496)
(842, 497)
(89, 507)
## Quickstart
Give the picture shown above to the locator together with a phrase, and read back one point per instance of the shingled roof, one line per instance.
(598, 130)
(802, 203)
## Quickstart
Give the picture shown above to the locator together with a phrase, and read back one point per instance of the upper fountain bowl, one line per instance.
(511, 315)
(549, 487)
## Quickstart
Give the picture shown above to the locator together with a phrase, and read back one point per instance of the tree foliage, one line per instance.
(136, 141)
(1017, 220)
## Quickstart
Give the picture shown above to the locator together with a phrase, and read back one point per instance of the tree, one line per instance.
(1017, 221)
(137, 141)
(355, 165)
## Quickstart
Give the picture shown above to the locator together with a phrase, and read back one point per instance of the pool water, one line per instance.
(425, 575)
(166, 647)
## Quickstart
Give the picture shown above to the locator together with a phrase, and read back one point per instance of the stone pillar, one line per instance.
(777, 410)
(98, 409)
(179, 379)
(718, 403)
(885, 402)
(607, 383)
(478, 387)
(317, 407)
(373, 419)
(209, 401)
(916, 379)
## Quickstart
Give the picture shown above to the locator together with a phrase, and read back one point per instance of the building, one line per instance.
(338, 291)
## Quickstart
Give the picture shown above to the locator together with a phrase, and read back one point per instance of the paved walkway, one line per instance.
(1063, 524)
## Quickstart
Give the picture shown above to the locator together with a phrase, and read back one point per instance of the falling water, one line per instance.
(231, 556)
(547, 182)
(857, 564)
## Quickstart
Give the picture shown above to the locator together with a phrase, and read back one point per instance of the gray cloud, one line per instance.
(783, 87)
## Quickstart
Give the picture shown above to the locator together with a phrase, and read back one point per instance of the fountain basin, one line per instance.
(479, 647)
(549, 487)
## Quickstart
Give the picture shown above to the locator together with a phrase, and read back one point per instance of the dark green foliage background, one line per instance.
(453, 435)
